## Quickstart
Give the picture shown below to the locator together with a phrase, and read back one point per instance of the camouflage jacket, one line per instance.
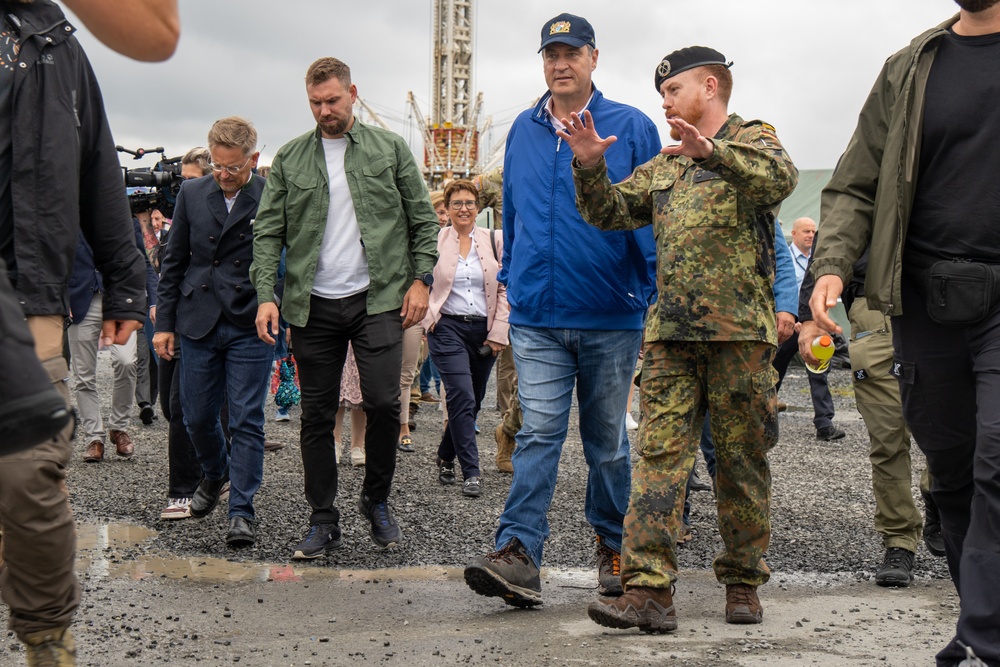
(713, 221)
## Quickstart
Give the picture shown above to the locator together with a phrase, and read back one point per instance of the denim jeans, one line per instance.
(230, 361)
(549, 363)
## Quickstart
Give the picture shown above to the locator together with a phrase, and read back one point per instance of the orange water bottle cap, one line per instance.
(825, 341)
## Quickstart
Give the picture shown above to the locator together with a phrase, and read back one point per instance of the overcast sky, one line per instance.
(805, 66)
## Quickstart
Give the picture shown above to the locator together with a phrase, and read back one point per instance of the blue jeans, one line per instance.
(231, 361)
(549, 363)
(428, 374)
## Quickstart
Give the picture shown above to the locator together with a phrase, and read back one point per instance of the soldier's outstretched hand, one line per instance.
(583, 140)
(692, 144)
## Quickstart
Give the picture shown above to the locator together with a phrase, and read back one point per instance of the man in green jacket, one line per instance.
(919, 182)
(350, 208)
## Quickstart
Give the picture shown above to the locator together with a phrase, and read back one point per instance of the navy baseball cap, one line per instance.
(568, 29)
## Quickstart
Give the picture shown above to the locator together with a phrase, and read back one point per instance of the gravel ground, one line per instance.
(822, 500)
(170, 591)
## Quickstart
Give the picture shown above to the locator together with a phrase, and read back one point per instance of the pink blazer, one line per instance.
(444, 278)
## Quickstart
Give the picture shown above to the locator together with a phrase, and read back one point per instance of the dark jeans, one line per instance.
(231, 364)
(818, 387)
(184, 472)
(320, 350)
(454, 346)
(949, 381)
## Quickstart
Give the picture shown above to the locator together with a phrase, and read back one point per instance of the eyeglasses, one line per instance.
(459, 205)
(231, 170)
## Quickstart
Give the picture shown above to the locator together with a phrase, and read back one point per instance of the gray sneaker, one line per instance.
(508, 573)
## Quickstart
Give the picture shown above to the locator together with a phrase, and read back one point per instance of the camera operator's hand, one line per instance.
(163, 343)
(117, 332)
(267, 321)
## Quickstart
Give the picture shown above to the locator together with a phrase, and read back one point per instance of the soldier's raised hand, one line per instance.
(692, 144)
(583, 140)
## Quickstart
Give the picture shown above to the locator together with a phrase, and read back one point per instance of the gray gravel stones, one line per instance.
(821, 511)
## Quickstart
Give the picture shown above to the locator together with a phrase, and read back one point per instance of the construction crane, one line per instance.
(451, 136)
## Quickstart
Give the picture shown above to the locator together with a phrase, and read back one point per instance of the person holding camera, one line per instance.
(466, 326)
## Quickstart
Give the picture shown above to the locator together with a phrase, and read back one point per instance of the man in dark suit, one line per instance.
(205, 296)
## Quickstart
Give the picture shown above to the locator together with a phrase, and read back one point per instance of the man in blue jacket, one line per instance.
(577, 298)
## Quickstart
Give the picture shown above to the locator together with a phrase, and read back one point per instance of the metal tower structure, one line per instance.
(451, 137)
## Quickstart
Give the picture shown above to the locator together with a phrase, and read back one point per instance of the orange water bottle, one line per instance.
(822, 349)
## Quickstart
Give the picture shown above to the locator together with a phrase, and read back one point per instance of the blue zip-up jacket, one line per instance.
(560, 272)
(786, 289)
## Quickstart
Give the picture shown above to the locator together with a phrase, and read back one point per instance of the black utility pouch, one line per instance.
(960, 292)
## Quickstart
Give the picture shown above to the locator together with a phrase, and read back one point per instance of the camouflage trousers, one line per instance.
(735, 382)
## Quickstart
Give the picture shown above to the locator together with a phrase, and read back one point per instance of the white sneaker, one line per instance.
(357, 457)
(630, 423)
(177, 508)
(282, 415)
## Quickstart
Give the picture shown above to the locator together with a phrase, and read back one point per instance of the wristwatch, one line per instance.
(426, 278)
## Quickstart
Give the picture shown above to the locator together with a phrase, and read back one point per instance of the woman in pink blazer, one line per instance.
(466, 326)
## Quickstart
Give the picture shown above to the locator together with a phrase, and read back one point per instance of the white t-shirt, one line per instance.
(342, 269)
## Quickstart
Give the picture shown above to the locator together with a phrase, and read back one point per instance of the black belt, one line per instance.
(465, 318)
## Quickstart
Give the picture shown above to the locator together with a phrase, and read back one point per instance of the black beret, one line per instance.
(684, 59)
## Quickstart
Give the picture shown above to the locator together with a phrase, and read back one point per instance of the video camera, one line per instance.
(164, 180)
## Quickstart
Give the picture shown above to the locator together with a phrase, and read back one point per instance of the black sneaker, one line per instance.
(609, 570)
(446, 471)
(322, 538)
(508, 573)
(828, 433)
(933, 537)
(385, 531)
(896, 568)
(146, 413)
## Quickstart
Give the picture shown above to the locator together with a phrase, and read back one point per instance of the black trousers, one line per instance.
(184, 470)
(818, 387)
(950, 386)
(320, 350)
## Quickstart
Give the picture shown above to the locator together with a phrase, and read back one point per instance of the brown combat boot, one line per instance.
(54, 648)
(742, 604)
(505, 448)
(649, 609)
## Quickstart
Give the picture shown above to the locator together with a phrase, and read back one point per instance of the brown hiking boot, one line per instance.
(123, 443)
(649, 609)
(609, 570)
(54, 648)
(505, 447)
(743, 605)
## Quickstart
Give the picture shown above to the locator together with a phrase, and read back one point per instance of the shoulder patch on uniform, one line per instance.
(860, 375)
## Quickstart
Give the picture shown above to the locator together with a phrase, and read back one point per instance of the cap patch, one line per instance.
(559, 28)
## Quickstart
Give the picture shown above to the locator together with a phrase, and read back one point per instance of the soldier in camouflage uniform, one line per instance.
(490, 187)
(710, 337)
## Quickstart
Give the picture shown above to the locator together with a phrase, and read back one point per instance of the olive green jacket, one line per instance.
(714, 228)
(398, 225)
(870, 196)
